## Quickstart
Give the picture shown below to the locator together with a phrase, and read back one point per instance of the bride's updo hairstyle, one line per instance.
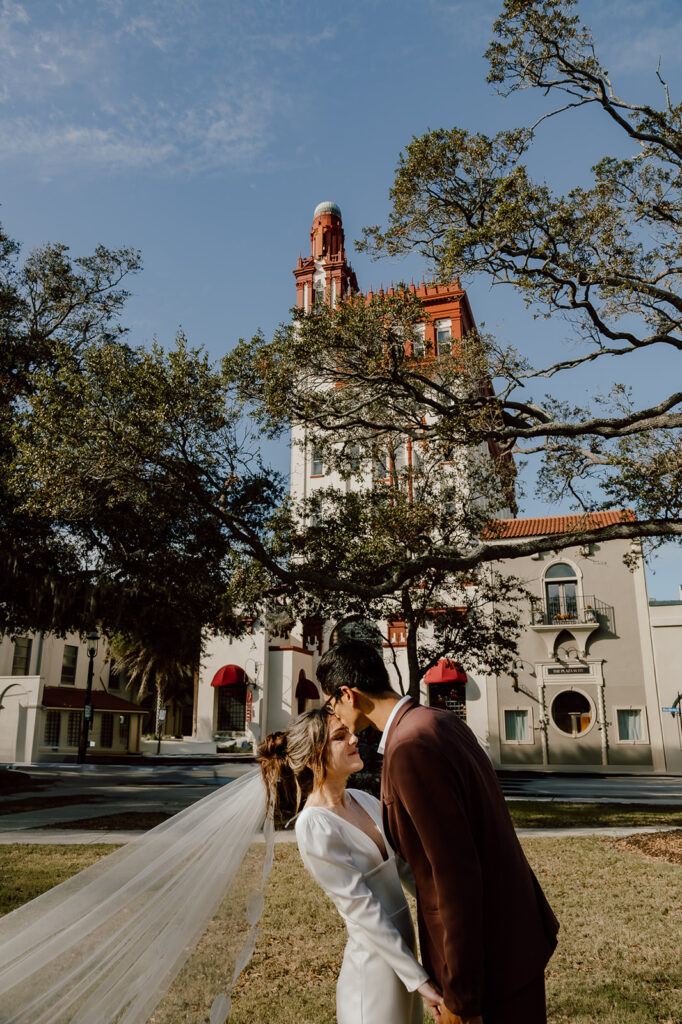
(293, 763)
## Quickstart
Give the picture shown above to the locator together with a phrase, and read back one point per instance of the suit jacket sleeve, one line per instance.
(434, 834)
(327, 857)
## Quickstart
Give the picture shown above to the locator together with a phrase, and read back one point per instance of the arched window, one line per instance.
(561, 591)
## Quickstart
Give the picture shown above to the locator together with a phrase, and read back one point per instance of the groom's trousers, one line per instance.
(527, 1006)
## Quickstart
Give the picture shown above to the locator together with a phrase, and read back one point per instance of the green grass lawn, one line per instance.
(26, 871)
(618, 959)
(551, 814)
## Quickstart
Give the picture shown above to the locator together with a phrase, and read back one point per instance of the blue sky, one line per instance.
(204, 132)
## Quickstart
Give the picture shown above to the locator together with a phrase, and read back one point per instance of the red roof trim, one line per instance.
(506, 529)
(56, 697)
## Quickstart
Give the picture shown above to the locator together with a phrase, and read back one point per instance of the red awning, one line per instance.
(229, 675)
(445, 671)
(306, 688)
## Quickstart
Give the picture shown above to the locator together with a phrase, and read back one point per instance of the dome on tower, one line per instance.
(327, 208)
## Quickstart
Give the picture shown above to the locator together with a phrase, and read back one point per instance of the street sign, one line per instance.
(671, 710)
(88, 711)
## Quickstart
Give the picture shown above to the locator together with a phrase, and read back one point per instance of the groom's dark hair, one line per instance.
(353, 663)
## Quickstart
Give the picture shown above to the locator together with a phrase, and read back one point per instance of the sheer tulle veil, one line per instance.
(104, 946)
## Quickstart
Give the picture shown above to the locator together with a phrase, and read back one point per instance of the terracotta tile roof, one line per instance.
(506, 529)
(63, 697)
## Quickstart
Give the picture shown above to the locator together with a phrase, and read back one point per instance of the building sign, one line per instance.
(569, 670)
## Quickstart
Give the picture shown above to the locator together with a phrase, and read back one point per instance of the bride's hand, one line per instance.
(432, 998)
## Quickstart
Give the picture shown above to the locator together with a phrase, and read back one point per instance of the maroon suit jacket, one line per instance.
(485, 927)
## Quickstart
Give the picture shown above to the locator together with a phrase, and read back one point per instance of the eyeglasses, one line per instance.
(330, 704)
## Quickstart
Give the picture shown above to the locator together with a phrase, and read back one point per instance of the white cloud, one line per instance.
(169, 84)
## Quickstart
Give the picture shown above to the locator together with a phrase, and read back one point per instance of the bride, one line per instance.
(105, 945)
(343, 846)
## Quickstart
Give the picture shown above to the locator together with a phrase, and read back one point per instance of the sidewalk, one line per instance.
(67, 837)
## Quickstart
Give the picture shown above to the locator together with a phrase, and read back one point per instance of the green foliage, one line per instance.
(49, 305)
(414, 480)
(127, 485)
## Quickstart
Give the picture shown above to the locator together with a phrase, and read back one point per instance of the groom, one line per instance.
(486, 930)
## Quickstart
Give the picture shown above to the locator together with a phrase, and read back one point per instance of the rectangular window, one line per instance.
(449, 697)
(52, 728)
(354, 459)
(69, 665)
(316, 463)
(381, 465)
(517, 726)
(123, 728)
(400, 457)
(419, 344)
(232, 708)
(417, 459)
(115, 676)
(21, 662)
(73, 733)
(106, 731)
(443, 337)
(630, 725)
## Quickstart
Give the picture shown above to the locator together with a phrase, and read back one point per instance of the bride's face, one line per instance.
(342, 750)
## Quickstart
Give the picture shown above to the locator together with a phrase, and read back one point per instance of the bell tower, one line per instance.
(325, 276)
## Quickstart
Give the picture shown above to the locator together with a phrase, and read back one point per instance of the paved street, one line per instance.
(593, 789)
(108, 789)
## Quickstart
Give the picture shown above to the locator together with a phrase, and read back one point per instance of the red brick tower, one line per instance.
(326, 275)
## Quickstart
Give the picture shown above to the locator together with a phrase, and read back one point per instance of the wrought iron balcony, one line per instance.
(571, 610)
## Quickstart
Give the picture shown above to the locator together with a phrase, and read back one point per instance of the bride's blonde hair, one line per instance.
(293, 762)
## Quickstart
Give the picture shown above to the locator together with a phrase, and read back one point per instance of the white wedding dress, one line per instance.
(380, 973)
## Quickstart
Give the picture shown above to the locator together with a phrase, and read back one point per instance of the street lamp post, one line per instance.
(93, 640)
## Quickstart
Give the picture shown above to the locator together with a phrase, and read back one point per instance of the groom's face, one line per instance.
(344, 705)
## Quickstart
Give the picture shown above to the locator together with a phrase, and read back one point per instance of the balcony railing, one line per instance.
(580, 609)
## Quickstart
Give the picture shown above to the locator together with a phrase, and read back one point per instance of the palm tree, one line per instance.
(167, 667)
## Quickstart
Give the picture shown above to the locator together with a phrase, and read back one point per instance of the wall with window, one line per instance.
(584, 693)
(240, 712)
(110, 732)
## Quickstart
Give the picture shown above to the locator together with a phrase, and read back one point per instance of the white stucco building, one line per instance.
(584, 694)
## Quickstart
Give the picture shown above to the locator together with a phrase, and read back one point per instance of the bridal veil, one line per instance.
(104, 946)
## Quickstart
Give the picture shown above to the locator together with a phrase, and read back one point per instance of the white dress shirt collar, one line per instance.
(396, 707)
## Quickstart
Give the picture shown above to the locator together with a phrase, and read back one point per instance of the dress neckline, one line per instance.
(351, 794)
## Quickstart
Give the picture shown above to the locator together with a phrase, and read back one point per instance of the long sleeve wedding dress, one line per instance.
(380, 972)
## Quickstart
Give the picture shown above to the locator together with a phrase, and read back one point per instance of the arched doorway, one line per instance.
(306, 693)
